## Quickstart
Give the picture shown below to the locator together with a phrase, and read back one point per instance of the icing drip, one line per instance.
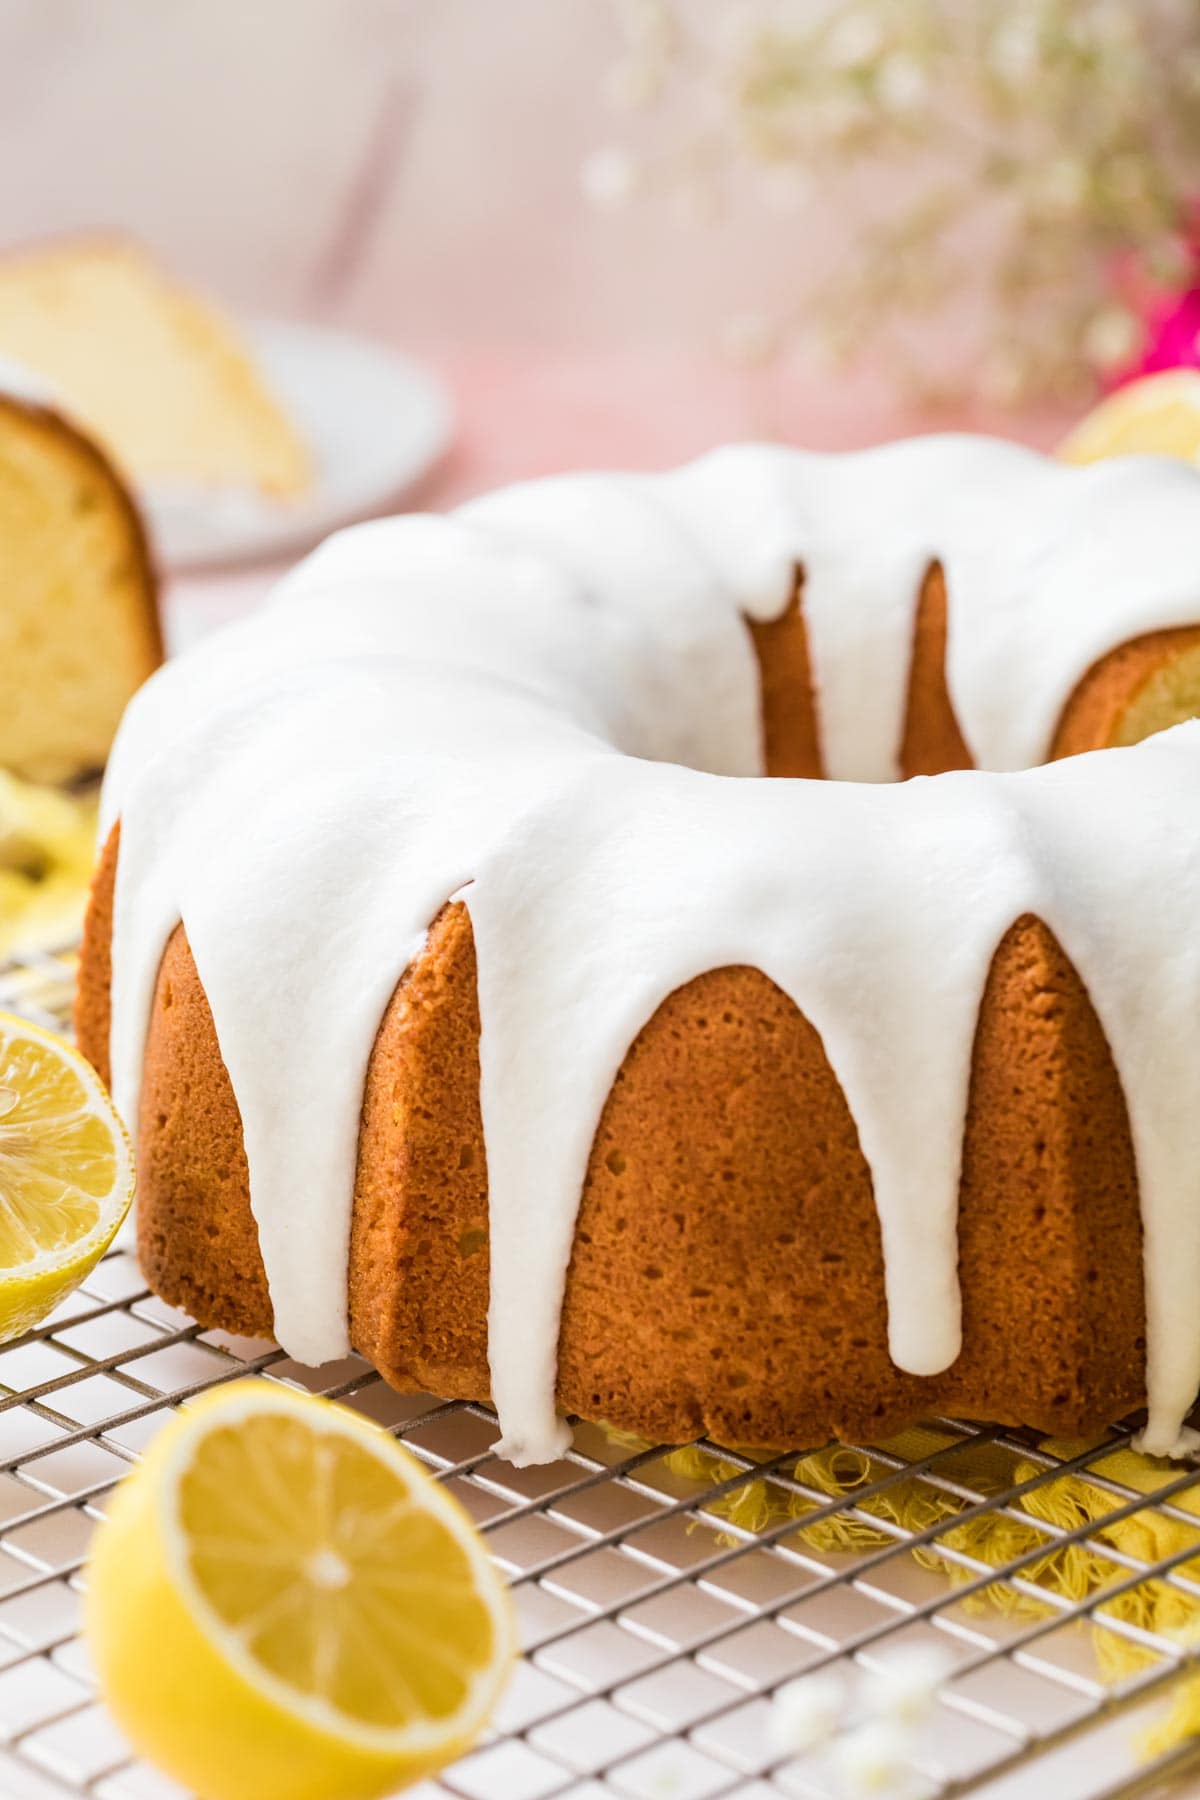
(541, 704)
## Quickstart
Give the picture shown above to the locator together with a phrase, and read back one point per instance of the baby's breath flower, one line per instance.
(805, 1714)
(609, 178)
(1060, 185)
(1003, 375)
(1015, 48)
(854, 38)
(905, 1687)
(1111, 337)
(1009, 174)
(874, 1760)
(901, 82)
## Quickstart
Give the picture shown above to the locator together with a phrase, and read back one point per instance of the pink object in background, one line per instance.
(1173, 340)
(1170, 316)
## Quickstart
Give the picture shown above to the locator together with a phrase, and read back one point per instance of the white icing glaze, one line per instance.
(540, 704)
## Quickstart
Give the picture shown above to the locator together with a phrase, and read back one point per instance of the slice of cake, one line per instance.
(79, 627)
(157, 375)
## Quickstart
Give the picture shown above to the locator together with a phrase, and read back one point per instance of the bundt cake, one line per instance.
(475, 1009)
(155, 373)
(79, 628)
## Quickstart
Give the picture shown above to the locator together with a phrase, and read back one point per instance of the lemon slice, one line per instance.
(1156, 416)
(66, 1173)
(282, 1605)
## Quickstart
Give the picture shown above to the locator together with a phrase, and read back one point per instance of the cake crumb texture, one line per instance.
(79, 627)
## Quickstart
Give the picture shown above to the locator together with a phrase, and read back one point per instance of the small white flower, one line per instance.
(901, 82)
(609, 178)
(805, 1714)
(1015, 49)
(852, 40)
(1061, 185)
(873, 1760)
(904, 1689)
(1110, 337)
(1002, 375)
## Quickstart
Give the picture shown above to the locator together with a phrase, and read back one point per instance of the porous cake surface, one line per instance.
(79, 626)
(682, 1076)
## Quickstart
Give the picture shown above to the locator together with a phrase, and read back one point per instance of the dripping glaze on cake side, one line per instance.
(542, 704)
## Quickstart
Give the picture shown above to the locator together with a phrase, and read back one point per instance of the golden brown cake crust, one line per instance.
(727, 1274)
(932, 740)
(1092, 716)
(791, 742)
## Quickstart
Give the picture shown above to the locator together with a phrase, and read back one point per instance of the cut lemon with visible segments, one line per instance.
(1157, 415)
(283, 1605)
(66, 1173)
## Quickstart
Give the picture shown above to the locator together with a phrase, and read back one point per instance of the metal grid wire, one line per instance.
(654, 1631)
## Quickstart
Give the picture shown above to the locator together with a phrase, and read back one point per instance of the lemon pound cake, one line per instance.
(478, 1007)
(157, 374)
(79, 627)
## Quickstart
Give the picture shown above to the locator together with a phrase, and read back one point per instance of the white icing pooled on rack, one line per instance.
(539, 704)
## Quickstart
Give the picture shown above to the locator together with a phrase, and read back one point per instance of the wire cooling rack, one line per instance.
(663, 1601)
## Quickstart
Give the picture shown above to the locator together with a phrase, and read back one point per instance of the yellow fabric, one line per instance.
(47, 848)
(1074, 1571)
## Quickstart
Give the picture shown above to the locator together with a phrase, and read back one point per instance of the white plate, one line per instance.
(374, 420)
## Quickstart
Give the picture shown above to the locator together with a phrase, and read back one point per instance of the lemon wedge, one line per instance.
(1158, 415)
(282, 1605)
(66, 1173)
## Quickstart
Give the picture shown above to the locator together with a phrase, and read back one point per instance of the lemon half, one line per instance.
(66, 1172)
(282, 1605)
(1158, 415)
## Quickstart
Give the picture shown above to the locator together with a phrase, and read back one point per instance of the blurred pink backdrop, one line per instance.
(411, 168)
(408, 163)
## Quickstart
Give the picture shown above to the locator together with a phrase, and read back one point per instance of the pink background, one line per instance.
(404, 165)
(411, 168)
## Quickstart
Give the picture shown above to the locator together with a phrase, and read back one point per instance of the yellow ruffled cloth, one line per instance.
(1074, 1571)
(47, 848)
